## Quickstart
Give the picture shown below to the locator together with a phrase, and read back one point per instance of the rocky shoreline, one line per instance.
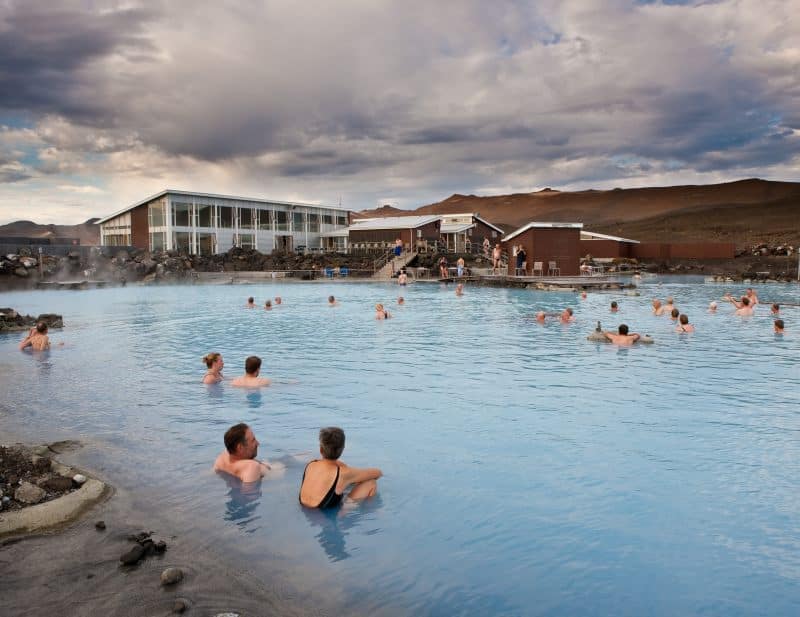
(12, 321)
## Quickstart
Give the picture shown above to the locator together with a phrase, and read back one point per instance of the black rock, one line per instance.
(100, 525)
(170, 576)
(180, 605)
(58, 484)
(161, 546)
(133, 556)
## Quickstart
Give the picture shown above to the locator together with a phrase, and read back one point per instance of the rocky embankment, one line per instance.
(109, 264)
(12, 321)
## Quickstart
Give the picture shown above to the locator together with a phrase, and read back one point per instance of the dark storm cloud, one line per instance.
(44, 46)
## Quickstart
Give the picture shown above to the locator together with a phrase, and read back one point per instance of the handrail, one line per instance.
(381, 261)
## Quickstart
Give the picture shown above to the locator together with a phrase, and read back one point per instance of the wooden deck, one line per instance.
(85, 284)
(546, 283)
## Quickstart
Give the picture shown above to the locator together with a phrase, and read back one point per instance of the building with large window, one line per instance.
(204, 224)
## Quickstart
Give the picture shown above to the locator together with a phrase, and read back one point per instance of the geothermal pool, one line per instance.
(527, 471)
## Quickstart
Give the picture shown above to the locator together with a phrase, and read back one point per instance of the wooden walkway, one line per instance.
(71, 284)
(546, 283)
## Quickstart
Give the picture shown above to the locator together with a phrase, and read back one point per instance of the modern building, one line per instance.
(205, 224)
(418, 233)
(464, 233)
(550, 248)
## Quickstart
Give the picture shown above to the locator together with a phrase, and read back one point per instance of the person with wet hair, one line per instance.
(250, 379)
(381, 312)
(37, 338)
(712, 307)
(614, 306)
(658, 310)
(567, 316)
(239, 457)
(775, 309)
(743, 308)
(278, 301)
(684, 325)
(215, 365)
(251, 303)
(674, 314)
(778, 326)
(332, 301)
(325, 480)
(622, 337)
(268, 305)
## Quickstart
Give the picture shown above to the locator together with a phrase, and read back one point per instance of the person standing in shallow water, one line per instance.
(250, 379)
(215, 365)
(325, 481)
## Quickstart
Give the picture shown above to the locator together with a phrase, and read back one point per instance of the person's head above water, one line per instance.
(240, 441)
(331, 442)
(614, 305)
(656, 303)
(684, 319)
(250, 300)
(776, 308)
(278, 300)
(252, 365)
(540, 315)
(41, 327)
(623, 329)
(331, 299)
(674, 313)
(779, 326)
(267, 304)
(712, 306)
(401, 300)
(745, 300)
(211, 358)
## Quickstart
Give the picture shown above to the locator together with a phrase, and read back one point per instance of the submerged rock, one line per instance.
(133, 556)
(170, 576)
(100, 525)
(180, 605)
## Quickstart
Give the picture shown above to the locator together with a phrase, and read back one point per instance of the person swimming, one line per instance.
(278, 300)
(674, 314)
(267, 305)
(712, 307)
(460, 289)
(215, 365)
(622, 337)
(251, 303)
(325, 480)
(658, 310)
(614, 307)
(540, 316)
(684, 325)
(401, 300)
(567, 316)
(332, 301)
(778, 326)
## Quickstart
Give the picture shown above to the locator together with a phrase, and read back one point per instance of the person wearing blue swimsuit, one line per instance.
(325, 480)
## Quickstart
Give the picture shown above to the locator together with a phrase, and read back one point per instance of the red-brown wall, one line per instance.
(546, 244)
(606, 248)
(684, 250)
(140, 230)
(430, 232)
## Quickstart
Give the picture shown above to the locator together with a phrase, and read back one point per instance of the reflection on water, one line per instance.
(335, 523)
(254, 398)
(243, 500)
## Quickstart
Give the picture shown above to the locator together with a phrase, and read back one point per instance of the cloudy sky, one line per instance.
(103, 103)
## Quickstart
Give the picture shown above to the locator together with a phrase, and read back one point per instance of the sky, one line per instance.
(368, 102)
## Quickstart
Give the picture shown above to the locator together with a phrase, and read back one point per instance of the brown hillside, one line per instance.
(88, 232)
(746, 211)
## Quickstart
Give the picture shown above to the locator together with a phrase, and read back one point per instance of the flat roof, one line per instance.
(393, 222)
(537, 224)
(595, 236)
(216, 196)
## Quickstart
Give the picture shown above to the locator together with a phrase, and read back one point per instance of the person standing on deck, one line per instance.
(460, 267)
(496, 254)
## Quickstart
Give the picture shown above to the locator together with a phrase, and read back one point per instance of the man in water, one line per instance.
(778, 326)
(674, 314)
(776, 309)
(743, 308)
(460, 289)
(540, 316)
(37, 338)
(251, 303)
(614, 307)
(250, 379)
(238, 459)
(712, 307)
(622, 337)
(278, 300)
(332, 301)
(752, 296)
(567, 316)
(401, 300)
(684, 325)
(658, 310)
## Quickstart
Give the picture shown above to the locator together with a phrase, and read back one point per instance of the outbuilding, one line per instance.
(551, 249)
(418, 233)
(465, 233)
(605, 247)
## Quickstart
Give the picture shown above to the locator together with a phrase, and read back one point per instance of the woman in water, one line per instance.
(214, 363)
(325, 480)
(380, 312)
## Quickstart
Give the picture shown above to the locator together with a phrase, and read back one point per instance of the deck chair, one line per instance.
(329, 272)
(537, 267)
(344, 271)
(553, 269)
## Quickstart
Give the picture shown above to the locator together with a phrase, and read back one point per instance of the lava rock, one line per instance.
(170, 576)
(160, 546)
(29, 493)
(180, 605)
(58, 484)
(100, 525)
(133, 556)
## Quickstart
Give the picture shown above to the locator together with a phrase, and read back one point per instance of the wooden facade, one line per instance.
(546, 242)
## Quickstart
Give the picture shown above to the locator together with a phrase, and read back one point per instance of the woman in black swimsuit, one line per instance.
(325, 480)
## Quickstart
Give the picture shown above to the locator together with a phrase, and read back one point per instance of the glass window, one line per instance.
(494, 234)
(341, 219)
(246, 218)
(204, 216)
(282, 220)
(158, 241)
(206, 243)
(313, 222)
(265, 219)
(327, 219)
(180, 214)
(182, 241)
(226, 217)
(156, 214)
(298, 221)
(247, 241)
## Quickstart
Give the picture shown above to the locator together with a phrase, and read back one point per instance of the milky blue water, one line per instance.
(527, 471)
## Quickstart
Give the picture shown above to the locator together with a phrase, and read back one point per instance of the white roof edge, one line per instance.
(477, 217)
(391, 222)
(606, 237)
(532, 224)
(218, 196)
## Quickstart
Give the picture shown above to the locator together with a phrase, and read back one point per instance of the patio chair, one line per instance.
(537, 267)
(329, 272)
(553, 269)
(344, 271)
